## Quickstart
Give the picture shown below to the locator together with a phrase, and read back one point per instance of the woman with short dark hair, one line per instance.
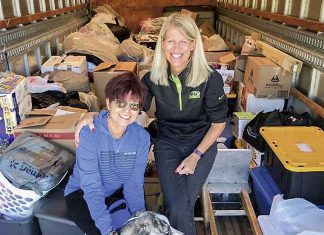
(106, 186)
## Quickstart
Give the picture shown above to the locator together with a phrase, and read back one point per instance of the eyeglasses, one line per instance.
(134, 106)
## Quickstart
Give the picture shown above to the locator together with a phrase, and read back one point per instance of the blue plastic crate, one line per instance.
(264, 189)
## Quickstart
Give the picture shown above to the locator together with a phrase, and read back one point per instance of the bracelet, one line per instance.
(198, 153)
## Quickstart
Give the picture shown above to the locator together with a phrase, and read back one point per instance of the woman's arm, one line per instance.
(87, 119)
(215, 106)
(188, 165)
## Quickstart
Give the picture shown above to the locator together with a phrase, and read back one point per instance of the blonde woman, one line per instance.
(191, 112)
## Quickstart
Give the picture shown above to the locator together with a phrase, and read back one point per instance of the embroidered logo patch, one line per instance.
(194, 95)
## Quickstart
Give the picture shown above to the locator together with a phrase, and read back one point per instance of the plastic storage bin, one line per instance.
(295, 159)
(53, 215)
(264, 189)
(27, 226)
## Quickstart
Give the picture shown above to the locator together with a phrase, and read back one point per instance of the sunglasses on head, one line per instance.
(134, 106)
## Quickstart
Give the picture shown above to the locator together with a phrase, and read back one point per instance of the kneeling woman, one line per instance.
(106, 186)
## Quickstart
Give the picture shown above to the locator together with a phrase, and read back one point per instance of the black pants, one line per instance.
(79, 212)
(181, 191)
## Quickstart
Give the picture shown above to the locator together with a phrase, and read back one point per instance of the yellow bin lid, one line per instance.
(300, 148)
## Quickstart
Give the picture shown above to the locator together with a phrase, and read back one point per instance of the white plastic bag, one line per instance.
(293, 216)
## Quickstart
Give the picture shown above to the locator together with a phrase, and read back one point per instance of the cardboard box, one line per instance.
(11, 117)
(105, 71)
(240, 119)
(192, 14)
(25, 107)
(214, 43)
(207, 29)
(240, 65)
(239, 68)
(76, 64)
(222, 62)
(59, 129)
(8, 121)
(249, 103)
(279, 57)
(223, 58)
(13, 92)
(257, 156)
(265, 79)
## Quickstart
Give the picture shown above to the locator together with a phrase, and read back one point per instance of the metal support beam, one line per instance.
(274, 6)
(67, 3)
(26, 64)
(304, 6)
(31, 7)
(314, 86)
(321, 17)
(1, 11)
(52, 5)
(42, 5)
(48, 50)
(38, 56)
(288, 7)
(60, 4)
(16, 7)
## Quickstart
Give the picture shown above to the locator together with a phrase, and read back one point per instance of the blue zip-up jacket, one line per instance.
(104, 165)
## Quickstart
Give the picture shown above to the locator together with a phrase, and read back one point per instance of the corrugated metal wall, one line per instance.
(32, 30)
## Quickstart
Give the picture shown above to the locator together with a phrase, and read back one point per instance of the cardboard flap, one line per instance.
(125, 66)
(63, 122)
(34, 121)
(192, 14)
(42, 112)
(227, 58)
(207, 29)
(104, 65)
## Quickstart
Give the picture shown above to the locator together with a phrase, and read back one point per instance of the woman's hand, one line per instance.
(188, 165)
(87, 119)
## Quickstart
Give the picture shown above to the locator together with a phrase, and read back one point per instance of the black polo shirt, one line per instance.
(185, 113)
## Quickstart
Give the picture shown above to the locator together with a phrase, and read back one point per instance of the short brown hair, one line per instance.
(120, 86)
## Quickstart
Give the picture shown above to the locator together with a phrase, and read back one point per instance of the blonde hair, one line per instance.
(199, 69)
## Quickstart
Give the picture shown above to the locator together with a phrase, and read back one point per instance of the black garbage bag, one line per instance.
(120, 32)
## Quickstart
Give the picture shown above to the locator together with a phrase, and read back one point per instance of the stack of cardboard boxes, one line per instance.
(54, 125)
(15, 102)
(263, 86)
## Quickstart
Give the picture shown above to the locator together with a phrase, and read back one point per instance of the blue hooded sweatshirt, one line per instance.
(104, 165)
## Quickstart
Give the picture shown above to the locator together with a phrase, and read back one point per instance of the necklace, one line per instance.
(116, 147)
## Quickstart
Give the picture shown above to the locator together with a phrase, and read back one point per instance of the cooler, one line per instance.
(295, 159)
(264, 189)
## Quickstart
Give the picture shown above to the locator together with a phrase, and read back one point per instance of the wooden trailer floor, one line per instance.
(228, 225)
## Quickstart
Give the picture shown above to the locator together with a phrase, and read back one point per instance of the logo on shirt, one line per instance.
(194, 95)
